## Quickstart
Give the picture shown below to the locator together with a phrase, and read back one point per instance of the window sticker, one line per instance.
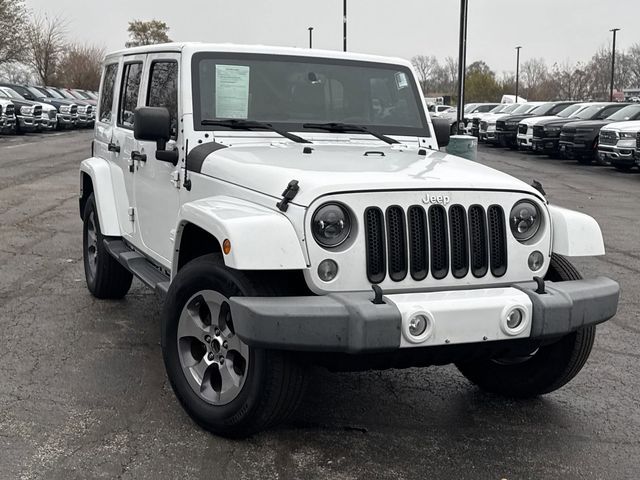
(232, 91)
(401, 80)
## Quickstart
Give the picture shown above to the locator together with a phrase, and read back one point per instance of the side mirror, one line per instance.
(153, 124)
(442, 130)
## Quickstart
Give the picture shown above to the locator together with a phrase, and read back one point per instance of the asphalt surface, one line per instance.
(83, 392)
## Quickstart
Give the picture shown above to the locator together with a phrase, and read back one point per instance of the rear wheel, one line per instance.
(106, 278)
(547, 368)
(226, 386)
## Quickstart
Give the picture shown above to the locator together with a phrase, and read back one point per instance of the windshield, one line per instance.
(543, 109)
(522, 108)
(570, 110)
(289, 91)
(484, 108)
(37, 93)
(588, 112)
(627, 113)
(53, 93)
(12, 93)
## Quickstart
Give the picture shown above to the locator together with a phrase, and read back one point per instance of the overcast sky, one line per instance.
(557, 30)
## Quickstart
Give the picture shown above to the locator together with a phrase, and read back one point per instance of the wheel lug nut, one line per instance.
(207, 338)
(211, 357)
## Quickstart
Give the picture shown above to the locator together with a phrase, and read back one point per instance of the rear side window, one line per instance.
(129, 94)
(163, 90)
(108, 86)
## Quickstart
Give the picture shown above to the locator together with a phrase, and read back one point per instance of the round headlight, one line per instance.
(331, 225)
(524, 220)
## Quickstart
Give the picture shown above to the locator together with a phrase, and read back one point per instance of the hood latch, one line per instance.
(289, 194)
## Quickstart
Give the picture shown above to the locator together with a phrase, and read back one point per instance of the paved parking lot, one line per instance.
(83, 393)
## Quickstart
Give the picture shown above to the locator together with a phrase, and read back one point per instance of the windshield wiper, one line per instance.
(346, 127)
(239, 124)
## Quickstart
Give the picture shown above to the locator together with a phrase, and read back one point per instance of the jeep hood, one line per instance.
(268, 168)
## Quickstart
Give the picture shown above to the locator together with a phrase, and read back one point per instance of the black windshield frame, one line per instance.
(424, 131)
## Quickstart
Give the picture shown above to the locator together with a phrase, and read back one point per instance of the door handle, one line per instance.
(112, 147)
(140, 157)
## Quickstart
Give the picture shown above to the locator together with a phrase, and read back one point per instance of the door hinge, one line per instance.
(132, 214)
(175, 178)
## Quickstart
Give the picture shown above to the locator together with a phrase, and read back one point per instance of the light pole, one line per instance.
(344, 25)
(613, 62)
(462, 60)
(310, 37)
(517, 71)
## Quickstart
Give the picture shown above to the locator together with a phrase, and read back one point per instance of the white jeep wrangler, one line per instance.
(292, 207)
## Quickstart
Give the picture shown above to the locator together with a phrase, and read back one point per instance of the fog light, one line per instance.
(514, 318)
(327, 270)
(536, 261)
(418, 325)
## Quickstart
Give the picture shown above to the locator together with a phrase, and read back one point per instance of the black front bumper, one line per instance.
(351, 323)
(506, 138)
(545, 145)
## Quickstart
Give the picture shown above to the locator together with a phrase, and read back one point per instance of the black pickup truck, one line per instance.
(579, 140)
(507, 126)
(546, 133)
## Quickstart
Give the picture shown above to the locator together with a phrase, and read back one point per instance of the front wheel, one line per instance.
(226, 386)
(546, 369)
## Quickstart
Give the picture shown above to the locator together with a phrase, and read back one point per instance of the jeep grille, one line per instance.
(439, 240)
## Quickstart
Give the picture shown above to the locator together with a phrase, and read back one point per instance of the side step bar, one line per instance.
(137, 264)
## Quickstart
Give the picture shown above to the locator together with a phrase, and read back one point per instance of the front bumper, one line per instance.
(67, 120)
(352, 323)
(506, 138)
(525, 140)
(618, 155)
(7, 124)
(545, 145)
(28, 123)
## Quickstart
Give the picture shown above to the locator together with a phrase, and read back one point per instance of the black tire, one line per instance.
(273, 382)
(547, 369)
(106, 278)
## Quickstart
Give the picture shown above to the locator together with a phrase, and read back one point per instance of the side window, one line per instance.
(129, 94)
(108, 86)
(163, 90)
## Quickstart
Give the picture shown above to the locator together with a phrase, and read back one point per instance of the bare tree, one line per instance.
(147, 33)
(46, 43)
(534, 73)
(16, 72)
(79, 67)
(425, 67)
(12, 27)
(634, 65)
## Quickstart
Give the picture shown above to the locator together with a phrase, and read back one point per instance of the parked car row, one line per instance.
(584, 131)
(25, 108)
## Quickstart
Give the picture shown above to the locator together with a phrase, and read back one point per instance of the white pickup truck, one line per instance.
(293, 207)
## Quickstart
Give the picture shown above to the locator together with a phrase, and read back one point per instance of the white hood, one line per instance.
(268, 168)
(530, 121)
(631, 126)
